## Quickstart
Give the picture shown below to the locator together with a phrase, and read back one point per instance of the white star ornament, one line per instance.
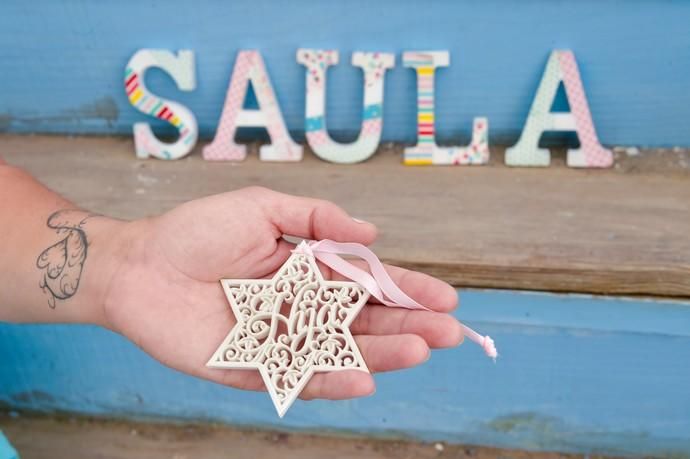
(291, 326)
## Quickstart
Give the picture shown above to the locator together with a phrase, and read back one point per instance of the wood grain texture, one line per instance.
(619, 231)
(66, 75)
(53, 438)
(576, 373)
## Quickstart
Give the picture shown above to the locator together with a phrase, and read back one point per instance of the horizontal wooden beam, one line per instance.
(575, 373)
(52, 437)
(618, 231)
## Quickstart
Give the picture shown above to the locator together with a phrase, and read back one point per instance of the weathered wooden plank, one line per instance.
(576, 373)
(555, 229)
(66, 75)
(54, 438)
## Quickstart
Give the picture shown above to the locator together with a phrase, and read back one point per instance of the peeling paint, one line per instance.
(5, 122)
(554, 390)
(33, 396)
(103, 108)
(525, 421)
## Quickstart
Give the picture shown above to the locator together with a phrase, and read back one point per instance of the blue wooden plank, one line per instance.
(576, 373)
(6, 449)
(61, 64)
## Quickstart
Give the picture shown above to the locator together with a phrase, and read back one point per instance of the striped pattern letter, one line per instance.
(181, 68)
(426, 152)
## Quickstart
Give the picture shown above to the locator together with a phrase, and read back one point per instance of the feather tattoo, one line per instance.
(62, 263)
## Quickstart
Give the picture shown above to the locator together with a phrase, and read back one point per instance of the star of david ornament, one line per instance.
(291, 326)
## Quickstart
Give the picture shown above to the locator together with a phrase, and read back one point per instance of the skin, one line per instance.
(155, 281)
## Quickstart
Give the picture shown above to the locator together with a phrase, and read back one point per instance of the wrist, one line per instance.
(121, 262)
(107, 242)
(57, 261)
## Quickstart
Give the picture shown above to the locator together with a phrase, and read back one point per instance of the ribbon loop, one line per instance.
(379, 283)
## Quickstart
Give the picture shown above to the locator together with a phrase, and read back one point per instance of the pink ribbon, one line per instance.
(379, 284)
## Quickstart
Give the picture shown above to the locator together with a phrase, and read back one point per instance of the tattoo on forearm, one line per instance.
(62, 263)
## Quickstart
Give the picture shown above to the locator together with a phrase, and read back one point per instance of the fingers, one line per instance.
(438, 330)
(249, 379)
(273, 261)
(381, 353)
(428, 291)
(334, 385)
(339, 385)
(392, 352)
(310, 218)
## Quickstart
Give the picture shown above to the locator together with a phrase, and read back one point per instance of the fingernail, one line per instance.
(359, 220)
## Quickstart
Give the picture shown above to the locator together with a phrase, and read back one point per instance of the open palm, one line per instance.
(166, 297)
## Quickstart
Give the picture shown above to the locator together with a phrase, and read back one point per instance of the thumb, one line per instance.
(310, 218)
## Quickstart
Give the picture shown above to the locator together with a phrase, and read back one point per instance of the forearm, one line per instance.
(56, 260)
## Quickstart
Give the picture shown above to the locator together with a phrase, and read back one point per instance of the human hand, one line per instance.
(165, 294)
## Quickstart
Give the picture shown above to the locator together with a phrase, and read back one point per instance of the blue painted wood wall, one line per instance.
(61, 63)
(576, 373)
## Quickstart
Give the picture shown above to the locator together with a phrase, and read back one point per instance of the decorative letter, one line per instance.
(561, 67)
(181, 68)
(426, 151)
(374, 66)
(249, 67)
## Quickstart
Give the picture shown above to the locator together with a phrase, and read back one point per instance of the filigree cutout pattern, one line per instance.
(291, 326)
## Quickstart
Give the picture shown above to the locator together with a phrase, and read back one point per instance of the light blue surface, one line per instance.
(61, 63)
(6, 450)
(575, 373)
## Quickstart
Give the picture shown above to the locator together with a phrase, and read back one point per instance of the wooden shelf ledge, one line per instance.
(620, 231)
